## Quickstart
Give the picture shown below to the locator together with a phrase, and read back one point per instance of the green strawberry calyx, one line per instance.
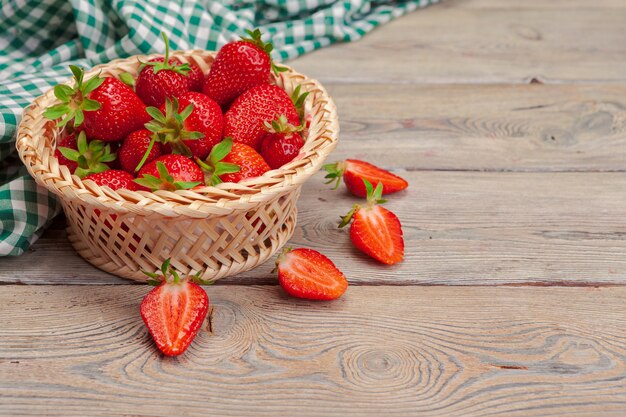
(74, 100)
(214, 167)
(182, 69)
(169, 128)
(255, 38)
(91, 157)
(170, 276)
(374, 196)
(335, 172)
(298, 101)
(281, 125)
(164, 181)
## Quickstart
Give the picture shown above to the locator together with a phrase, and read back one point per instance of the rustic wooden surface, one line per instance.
(509, 121)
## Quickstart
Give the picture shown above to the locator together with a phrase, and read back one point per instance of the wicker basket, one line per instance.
(221, 230)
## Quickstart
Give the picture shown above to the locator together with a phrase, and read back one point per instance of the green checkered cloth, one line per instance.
(40, 38)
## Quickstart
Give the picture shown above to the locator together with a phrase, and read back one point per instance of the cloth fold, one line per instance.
(40, 38)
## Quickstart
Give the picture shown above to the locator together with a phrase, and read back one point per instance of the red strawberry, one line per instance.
(163, 78)
(238, 67)
(245, 120)
(375, 230)
(114, 179)
(134, 147)
(282, 142)
(232, 162)
(86, 158)
(170, 172)
(305, 273)
(174, 310)
(107, 108)
(68, 142)
(354, 172)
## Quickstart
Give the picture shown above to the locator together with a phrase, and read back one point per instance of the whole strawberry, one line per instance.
(114, 179)
(166, 77)
(375, 230)
(68, 142)
(135, 146)
(245, 120)
(170, 172)
(85, 157)
(238, 67)
(282, 142)
(232, 162)
(174, 310)
(354, 172)
(306, 273)
(107, 108)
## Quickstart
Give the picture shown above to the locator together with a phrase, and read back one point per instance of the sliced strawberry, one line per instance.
(162, 78)
(87, 158)
(137, 145)
(375, 230)
(114, 179)
(306, 273)
(170, 172)
(282, 142)
(354, 172)
(174, 311)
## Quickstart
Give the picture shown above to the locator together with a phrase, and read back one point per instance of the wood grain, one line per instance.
(448, 44)
(398, 351)
(487, 127)
(461, 228)
(535, 4)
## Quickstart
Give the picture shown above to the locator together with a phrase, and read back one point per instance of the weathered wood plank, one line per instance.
(484, 127)
(461, 228)
(448, 44)
(536, 4)
(76, 351)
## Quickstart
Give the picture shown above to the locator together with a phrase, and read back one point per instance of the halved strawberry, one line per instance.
(170, 172)
(86, 158)
(107, 108)
(174, 310)
(306, 273)
(354, 172)
(282, 142)
(162, 78)
(239, 66)
(232, 162)
(375, 230)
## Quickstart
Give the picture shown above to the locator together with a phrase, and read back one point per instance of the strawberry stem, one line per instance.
(334, 173)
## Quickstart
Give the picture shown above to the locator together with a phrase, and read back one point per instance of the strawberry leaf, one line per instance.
(63, 92)
(92, 84)
(185, 185)
(69, 153)
(220, 150)
(127, 79)
(56, 111)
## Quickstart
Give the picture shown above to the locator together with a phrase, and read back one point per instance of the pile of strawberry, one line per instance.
(174, 127)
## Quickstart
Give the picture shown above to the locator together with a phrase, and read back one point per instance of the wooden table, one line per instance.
(509, 121)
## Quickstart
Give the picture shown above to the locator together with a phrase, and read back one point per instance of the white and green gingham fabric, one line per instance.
(39, 38)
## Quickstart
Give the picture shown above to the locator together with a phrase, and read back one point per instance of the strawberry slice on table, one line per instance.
(85, 158)
(245, 120)
(239, 66)
(354, 172)
(166, 77)
(232, 162)
(174, 310)
(114, 179)
(107, 108)
(170, 172)
(375, 230)
(306, 273)
(282, 142)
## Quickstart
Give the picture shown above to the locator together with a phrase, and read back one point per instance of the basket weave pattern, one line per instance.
(219, 231)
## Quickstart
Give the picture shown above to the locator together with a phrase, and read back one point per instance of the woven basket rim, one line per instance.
(35, 135)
